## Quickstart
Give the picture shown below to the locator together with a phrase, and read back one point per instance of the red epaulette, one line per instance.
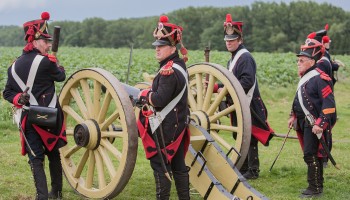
(323, 75)
(167, 69)
(51, 57)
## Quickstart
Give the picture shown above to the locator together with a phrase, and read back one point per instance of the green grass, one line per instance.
(285, 180)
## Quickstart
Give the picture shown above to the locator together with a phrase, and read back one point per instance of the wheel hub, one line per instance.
(201, 118)
(87, 134)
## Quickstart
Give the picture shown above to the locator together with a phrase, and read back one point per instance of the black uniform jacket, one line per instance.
(245, 72)
(318, 99)
(164, 89)
(43, 90)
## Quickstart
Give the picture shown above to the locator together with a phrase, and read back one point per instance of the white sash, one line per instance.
(232, 66)
(303, 80)
(156, 120)
(237, 56)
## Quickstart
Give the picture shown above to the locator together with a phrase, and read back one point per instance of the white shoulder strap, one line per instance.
(237, 56)
(251, 92)
(307, 77)
(160, 116)
(232, 66)
(303, 80)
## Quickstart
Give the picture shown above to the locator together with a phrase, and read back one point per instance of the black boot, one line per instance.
(37, 168)
(182, 183)
(56, 177)
(253, 160)
(315, 187)
(163, 186)
(321, 161)
(55, 194)
(244, 169)
(251, 174)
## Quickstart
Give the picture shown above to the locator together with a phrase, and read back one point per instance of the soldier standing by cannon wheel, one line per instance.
(313, 113)
(166, 146)
(243, 66)
(31, 81)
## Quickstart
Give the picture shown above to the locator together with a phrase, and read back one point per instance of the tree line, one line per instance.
(268, 27)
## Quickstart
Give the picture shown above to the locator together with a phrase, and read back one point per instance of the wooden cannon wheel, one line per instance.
(100, 156)
(204, 107)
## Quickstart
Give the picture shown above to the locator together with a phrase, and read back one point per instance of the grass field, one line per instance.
(285, 180)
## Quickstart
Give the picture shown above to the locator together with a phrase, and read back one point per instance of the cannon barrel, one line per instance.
(133, 94)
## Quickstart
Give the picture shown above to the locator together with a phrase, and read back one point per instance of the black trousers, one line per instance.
(310, 140)
(177, 163)
(179, 172)
(55, 166)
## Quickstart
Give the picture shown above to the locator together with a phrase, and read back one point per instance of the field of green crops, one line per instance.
(277, 76)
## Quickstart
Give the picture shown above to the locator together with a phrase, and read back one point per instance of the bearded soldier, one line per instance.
(31, 81)
(166, 139)
(243, 66)
(313, 112)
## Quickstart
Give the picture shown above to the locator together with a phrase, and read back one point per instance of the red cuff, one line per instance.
(216, 87)
(15, 101)
(145, 92)
(321, 123)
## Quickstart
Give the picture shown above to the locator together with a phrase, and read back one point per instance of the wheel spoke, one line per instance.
(222, 113)
(81, 164)
(79, 101)
(214, 126)
(209, 92)
(87, 95)
(213, 107)
(220, 140)
(111, 148)
(100, 170)
(90, 170)
(69, 132)
(191, 101)
(199, 84)
(97, 98)
(113, 134)
(109, 120)
(105, 105)
(70, 151)
(71, 112)
(107, 161)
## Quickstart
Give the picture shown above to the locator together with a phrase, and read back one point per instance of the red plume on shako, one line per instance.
(232, 29)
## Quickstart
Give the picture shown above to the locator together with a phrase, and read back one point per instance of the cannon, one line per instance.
(102, 135)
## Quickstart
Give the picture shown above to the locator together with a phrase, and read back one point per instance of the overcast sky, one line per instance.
(16, 12)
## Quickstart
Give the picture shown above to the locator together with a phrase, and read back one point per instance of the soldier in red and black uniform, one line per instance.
(243, 66)
(325, 63)
(168, 85)
(335, 66)
(313, 112)
(42, 140)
